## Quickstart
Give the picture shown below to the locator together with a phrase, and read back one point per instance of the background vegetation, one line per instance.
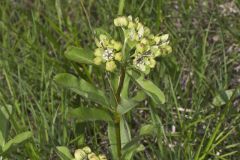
(205, 63)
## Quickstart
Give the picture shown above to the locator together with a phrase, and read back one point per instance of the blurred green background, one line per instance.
(205, 63)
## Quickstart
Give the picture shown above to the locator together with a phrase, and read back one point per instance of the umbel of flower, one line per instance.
(108, 52)
(86, 154)
(133, 29)
(147, 45)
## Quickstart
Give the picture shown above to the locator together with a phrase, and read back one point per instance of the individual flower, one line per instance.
(110, 66)
(118, 56)
(93, 156)
(144, 61)
(108, 51)
(121, 21)
(139, 62)
(102, 157)
(79, 154)
(102, 41)
(87, 149)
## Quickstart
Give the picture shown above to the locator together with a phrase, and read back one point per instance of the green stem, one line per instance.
(120, 85)
(121, 7)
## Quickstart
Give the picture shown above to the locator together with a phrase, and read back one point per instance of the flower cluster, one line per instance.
(108, 51)
(147, 45)
(87, 154)
(138, 37)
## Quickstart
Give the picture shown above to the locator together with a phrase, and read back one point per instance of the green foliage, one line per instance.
(112, 140)
(131, 148)
(79, 55)
(149, 87)
(64, 153)
(223, 97)
(81, 87)
(90, 114)
(5, 113)
(15, 141)
(5, 145)
(128, 104)
(198, 79)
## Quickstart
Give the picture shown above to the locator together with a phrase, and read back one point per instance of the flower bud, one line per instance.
(79, 154)
(87, 150)
(136, 20)
(142, 67)
(92, 156)
(121, 21)
(140, 31)
(151, 36)
(131, 25)
(116, 45)
(110, 66)
(144, 41)
(98, 52)
(97, 42)
(97, 60)
(102, 157)
(146, 31)
(132, 34)
(118, 56)
(140, 48)
(130, 18)
(155, 50)
(152, 62)
(139, 25)
(164, 37)
(157, 39)
(168, 49)
(103, 37)
(103, 40)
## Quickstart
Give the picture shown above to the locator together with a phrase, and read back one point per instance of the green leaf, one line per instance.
(134, 145)
(125, 132)
(90, 114)
(5, 113)
(147, 129)
(112, 140)
(64, 153)
(18, 139)
(80, 55)
(223, 97)
(149, 87)
(131, 148)
(99, 31)
(81, 87)
(128, 104)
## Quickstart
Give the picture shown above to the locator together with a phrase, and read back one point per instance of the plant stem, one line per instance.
(117, 115)
(121, 7)
(120, 85)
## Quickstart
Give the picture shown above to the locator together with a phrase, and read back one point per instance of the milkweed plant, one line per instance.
(123, 63)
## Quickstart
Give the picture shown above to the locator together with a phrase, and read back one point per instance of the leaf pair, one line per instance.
(148, 86)
(84, 56)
